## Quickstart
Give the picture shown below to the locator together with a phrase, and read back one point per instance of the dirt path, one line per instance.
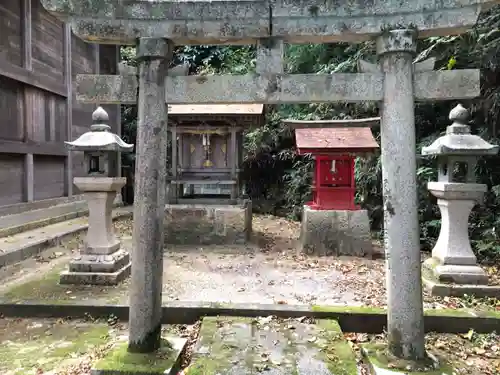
(271, 269)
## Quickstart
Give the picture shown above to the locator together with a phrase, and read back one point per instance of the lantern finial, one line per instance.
(460, 117)
(100, 115)
(100, 119)
(459, 114)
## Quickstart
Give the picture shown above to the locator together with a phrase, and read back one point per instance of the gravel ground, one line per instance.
(270, 270)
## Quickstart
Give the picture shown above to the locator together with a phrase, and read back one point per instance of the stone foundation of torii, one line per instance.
(155, 27)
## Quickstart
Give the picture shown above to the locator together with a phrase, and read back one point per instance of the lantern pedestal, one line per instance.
(453, 261)
(101, 261)
(335, 232)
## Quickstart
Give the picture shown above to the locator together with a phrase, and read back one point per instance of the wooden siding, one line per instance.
(39, 59)
(11, 110)
(48, 177)
(47, 33)
(11, 179)
(11, 31)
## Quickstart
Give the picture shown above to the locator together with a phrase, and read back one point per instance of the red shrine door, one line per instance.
(334, 184)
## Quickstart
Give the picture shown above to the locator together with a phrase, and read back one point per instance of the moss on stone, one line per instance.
(486, 314)
(220, 354)
(151, 341)
(47, 348)
(349, 309)
(428, 268)
(119, 359)
(337, 352)
(466, 313)
(44, 288)
(378, 355)
(47, 289)
(449, 313)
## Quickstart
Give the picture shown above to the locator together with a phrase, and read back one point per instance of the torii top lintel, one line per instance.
(245, 21)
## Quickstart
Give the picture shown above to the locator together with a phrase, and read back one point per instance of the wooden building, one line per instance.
(39, 59)
(207, 154)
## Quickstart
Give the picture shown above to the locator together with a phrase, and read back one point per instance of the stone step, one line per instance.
(18, 208)
(20, 246)
(32, 219)
(241, 346)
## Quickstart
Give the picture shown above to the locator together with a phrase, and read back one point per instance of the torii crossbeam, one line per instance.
(278, 89)
(244, 21)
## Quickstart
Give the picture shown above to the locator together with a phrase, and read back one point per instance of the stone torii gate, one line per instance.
(156, 26)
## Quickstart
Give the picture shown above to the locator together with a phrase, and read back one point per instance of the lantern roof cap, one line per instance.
(100, 137)
(334, 140)
(458, 140)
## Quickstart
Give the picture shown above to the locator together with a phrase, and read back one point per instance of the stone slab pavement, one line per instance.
(241, 346)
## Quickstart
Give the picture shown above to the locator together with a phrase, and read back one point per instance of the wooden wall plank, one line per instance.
(11, 31)
(48, 177)
(11, 108)
(47, 46)
(27, 48)
(68, 132)
(39, 59)
(11, 179)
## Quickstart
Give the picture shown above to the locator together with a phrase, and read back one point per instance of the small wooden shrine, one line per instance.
(334, 150)
(207, 152)
(332, 224)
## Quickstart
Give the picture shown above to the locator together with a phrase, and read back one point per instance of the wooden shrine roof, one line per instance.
(216, 109)
(335, 139)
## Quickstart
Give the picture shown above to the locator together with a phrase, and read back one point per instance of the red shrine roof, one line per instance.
(355, 139)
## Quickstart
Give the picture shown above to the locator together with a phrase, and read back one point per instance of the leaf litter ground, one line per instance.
(269, 270)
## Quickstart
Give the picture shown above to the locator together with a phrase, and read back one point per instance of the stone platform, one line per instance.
(90, 269)
(164, 361)
(457, 280)
(231, 345)
(335, 232)
(208, 224)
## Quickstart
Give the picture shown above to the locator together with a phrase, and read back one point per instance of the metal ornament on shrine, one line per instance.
(156, 27)
(332, 223)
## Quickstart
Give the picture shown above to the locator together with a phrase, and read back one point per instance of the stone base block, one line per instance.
(98, 250)
(100, 263)
(378, 359)
(208, 224)
(165, 361)
(458, 274)
(456, 281)
(88, 269)
(334, 232)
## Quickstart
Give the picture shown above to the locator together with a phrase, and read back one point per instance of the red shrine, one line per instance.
(334, 151)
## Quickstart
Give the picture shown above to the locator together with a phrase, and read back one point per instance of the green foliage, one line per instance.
(271, 147)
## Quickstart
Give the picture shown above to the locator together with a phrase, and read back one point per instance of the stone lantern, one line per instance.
(101, 261)
(457, 152)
